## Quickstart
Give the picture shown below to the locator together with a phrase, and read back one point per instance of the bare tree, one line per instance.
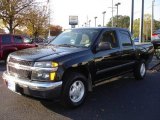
(12, 12)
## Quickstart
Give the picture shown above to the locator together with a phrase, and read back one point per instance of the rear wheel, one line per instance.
(74, 90)
(140, 70)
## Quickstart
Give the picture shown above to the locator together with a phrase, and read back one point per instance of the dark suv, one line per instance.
(10, 43)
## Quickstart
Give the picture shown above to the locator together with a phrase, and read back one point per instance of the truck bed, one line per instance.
(147, 46)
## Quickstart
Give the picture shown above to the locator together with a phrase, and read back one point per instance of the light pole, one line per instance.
(112, 13)
(85, 24)
(95, 20)
(117, 12)
(103, 17)
(89, 23)
(152, 19)
(132, 17)
(141, 22)
(49, 12)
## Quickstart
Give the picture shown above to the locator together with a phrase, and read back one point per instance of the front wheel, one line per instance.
(140, 71)
(74, 90)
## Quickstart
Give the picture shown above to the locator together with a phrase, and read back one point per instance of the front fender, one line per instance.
(85, 62)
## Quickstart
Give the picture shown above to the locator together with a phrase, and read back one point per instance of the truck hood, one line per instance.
(34, 54)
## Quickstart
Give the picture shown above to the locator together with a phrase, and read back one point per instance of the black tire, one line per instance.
(140, 70)
(70, 79)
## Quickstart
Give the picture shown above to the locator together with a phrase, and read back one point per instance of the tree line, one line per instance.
(31, 18)
(26, 17)
(124, 22)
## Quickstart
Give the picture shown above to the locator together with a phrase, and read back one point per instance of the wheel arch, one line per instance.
(80, 69)
(147, 58)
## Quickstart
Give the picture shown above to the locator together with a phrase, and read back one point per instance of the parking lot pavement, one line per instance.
(125, 99)
(154, 62)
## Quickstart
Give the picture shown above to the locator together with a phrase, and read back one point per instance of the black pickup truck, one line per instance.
(74, 62)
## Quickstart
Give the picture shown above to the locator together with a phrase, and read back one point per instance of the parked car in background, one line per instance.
(156, 35)
(156, 42)
(156, 39)
(10, 43)
(38, 40)
(46, 41)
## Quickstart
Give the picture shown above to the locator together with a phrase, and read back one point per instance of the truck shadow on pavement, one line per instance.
(125, 99)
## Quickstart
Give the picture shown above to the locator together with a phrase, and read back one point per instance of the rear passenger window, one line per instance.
(18, 39)
(125, 38)
(6, 39)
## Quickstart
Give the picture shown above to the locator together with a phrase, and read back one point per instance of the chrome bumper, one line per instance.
(33, 85)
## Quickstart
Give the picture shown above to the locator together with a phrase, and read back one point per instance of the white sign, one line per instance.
(73, 20)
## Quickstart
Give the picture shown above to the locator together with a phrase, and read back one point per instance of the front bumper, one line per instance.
(45, 90)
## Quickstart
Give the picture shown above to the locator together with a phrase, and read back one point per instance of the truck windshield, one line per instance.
(76, 37)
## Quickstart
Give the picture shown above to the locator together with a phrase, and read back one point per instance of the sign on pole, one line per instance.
(73, 20)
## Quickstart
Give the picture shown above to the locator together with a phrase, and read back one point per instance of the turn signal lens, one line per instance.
(54, 64)
(52, 76)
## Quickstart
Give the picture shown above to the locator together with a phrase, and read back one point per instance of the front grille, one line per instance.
(19, 73)
(21, 62)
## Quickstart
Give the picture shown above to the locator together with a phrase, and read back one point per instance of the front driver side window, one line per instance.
(110, 36)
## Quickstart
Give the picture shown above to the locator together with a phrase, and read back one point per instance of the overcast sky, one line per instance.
(62, 9)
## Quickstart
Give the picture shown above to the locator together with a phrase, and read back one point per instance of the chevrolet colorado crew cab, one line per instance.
(10, 43)
(74, 62)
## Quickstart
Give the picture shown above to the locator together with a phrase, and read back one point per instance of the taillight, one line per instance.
(155, 36)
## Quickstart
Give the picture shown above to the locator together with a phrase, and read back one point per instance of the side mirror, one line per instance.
(104, 46)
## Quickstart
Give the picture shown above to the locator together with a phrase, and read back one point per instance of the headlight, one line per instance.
(44, 74)
(46, 64)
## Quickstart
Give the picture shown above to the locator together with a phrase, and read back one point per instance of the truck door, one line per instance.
(107, 62)
(128, 50)
(6, 44)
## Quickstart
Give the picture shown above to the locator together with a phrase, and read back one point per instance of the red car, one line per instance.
(10, 43)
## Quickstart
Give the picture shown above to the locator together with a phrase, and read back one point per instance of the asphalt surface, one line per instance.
(125, 99)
